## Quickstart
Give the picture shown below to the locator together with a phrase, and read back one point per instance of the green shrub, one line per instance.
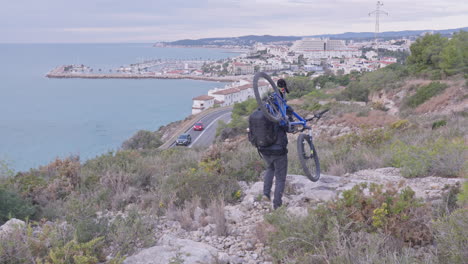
(400, 124)
(25, 244)
(243, 163)
(239, 122)
(441, 157)
(81, 214)
(143, 139)
(451, 234)
(29, 184)
(244, 108)
(75, 252)
(13, 205)
(354, 92)
(438, 124)
(5, 171)
(126, 234)
(122, 161)
(424, 93)
(299, 86)
(207, 181)
(357, 228)
(414, 161)
(462, 198)
(449, 157)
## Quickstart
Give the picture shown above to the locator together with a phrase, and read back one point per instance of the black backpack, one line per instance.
(262, 131)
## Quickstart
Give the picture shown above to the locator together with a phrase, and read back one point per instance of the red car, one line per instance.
(198, 126)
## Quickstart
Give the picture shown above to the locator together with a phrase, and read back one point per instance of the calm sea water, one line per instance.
(42, 118)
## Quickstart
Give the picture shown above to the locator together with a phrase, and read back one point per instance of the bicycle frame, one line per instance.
(282, 106)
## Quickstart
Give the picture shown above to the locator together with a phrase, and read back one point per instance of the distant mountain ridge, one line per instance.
(251, 39)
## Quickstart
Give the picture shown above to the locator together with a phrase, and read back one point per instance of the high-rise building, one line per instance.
(316, 44)
(323, 48)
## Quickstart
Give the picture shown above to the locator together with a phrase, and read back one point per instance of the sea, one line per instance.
(42, 119)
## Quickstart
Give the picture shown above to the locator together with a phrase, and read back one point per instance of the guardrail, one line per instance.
(189, 123)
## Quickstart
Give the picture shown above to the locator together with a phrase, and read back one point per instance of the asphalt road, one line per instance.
(205, 137)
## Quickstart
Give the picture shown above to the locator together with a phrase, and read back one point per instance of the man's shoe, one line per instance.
(265, 198)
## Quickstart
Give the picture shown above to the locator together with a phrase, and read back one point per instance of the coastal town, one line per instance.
(307, 57)
(310, 57)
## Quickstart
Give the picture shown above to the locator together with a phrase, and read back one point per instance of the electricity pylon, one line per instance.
(377, 12)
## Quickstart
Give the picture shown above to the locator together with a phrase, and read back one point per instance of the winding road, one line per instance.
(206, 137)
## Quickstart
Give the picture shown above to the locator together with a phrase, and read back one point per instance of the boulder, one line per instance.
(10, 226)
(170, 249)
(233, 214)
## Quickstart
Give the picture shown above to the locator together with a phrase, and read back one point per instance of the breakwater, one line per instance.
(60, 72)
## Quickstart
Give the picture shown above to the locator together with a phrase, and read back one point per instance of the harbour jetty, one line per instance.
(62, 72)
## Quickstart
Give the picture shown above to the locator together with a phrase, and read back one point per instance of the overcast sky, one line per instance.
(57, 21)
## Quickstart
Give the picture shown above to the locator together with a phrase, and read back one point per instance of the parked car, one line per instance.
(198, 126)
(184, 140)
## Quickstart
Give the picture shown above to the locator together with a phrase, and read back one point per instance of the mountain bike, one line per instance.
(273, 104)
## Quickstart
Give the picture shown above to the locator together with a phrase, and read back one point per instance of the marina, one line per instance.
(61, 72)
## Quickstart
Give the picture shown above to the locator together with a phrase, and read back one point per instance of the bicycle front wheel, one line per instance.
(308, 157)
(267, 98)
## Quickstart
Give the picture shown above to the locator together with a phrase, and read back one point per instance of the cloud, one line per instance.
(150, 20)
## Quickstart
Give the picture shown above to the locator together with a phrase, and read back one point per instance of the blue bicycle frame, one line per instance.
(282, 106)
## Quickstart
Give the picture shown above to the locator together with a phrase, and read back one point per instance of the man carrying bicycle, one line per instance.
(271, 141)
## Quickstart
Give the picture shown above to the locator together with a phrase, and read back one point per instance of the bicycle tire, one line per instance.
(308, 157)
(277, 117)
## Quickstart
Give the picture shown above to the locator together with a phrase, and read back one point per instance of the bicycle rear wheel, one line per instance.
(269, 105)
(308, 157)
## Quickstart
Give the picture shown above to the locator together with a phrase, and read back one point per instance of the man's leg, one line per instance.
(269, 173)
(281, 169)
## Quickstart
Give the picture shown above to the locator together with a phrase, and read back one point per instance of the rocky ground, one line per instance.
(244, 237)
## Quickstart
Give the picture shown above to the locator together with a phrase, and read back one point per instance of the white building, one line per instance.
(201, 103)
(279, 51)
(228, 96)
(239, 68)
(314, 48)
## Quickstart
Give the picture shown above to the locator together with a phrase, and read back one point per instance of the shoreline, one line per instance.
(226, 49)
(59, 74)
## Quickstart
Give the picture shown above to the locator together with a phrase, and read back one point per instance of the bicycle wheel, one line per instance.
(308, 157)
(269, 105)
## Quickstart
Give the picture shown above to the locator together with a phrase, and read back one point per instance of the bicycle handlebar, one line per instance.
(323, 112)
(319, 115)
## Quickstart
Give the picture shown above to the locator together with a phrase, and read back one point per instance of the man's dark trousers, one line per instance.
(277, 166)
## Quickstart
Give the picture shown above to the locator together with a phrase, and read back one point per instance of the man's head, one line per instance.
(281, 83)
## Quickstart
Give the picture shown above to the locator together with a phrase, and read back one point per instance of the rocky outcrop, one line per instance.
(246, 228)
(171, 249)
(10, 226)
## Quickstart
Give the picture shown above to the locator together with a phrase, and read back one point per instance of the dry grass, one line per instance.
(186, 215)
(373, 119)
(216, 212)
(446, 102)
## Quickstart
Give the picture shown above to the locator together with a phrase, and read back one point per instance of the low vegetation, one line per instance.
(143, 139)
(369, 224)
(424, 93)
(141, 184)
